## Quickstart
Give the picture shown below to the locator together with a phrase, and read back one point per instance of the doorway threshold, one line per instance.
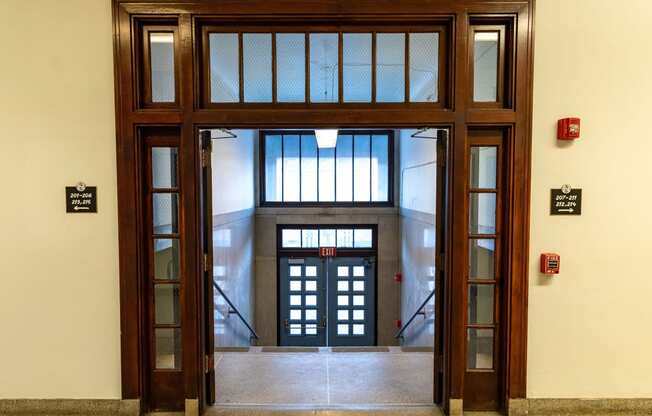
(324, 410)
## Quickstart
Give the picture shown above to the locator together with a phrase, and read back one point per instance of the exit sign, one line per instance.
(327, 252)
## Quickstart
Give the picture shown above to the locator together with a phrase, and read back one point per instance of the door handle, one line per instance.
(323, 322)
(286, 323)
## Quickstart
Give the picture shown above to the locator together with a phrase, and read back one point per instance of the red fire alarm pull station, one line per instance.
(550, 263)
(568, 128)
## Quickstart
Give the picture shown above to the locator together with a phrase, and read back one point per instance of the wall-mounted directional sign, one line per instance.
(81, 199)
(566, 201)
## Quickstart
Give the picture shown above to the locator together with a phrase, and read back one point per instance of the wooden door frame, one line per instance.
(188, 115)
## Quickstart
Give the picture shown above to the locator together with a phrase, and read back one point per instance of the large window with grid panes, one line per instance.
(326, 168)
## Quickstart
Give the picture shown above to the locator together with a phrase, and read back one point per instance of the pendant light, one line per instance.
(326, 138)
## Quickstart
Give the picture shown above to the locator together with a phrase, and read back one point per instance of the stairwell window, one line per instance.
(298, 172)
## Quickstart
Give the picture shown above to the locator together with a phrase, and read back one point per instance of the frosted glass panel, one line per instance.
(390, 67)
(167, 304)
(310, 239)
(482, 218)
(362, 168)
(291, 168)
(166, 259)
(224, 67)
(292, 238)
(356, 71)
(168, 348)
(257, 63)
(483, 167)
(308, 168)
(344, 238)
(273, 169)
(327, 238)
(479, 348)
(379, 168)
(324, 73)
(326, 175)
(480, 304)
(485, 67)
(482, 254)
(165, 209)
(344, 168)
(164, 167)
(362, 238)
(290, 67)
(161, 50)
(424, 67)
(311, 315)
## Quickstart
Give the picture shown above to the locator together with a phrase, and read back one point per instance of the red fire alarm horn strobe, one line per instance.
(568, 128)
(550, 263)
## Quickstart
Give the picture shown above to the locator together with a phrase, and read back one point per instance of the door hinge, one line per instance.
(208, 363)
(205, 158)
(207, 263)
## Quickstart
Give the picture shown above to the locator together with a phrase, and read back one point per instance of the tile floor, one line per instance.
(324, 378)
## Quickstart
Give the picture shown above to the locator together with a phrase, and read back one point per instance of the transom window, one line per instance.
(363, 65)
(325, 236)
(300, 169)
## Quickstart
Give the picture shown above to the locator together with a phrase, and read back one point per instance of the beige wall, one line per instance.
(590, 328)
(59, 309)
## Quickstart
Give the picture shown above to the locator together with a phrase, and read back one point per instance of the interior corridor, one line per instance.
(324, 376)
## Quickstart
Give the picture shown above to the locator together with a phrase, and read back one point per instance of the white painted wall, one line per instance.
(233, 171)
(589, 328)
(418, 172)
(59, 297)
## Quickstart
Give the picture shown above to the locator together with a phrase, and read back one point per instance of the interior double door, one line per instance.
(327, 301)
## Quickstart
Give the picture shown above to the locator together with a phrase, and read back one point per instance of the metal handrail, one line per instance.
(235, 310)
(414, 315)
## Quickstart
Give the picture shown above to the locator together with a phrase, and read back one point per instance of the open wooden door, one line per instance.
(206, 201)
(440, 264)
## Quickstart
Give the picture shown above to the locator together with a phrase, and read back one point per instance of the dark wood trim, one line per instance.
(455, 112)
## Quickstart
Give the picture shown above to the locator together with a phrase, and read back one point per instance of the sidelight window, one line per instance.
(483, 276)
(357, 171)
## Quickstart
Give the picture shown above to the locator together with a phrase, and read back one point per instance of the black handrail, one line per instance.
(414, 315)
(237, 312)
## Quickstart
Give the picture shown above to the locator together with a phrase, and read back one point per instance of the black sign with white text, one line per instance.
(81, 200)
(565, 202)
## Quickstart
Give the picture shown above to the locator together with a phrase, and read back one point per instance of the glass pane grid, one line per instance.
(324, 67)
(482, 288)
(355, 171)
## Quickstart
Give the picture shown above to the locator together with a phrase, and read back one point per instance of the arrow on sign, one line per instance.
(81, 208)
(571, 210)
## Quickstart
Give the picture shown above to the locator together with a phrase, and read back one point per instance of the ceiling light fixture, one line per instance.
(326, 138)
